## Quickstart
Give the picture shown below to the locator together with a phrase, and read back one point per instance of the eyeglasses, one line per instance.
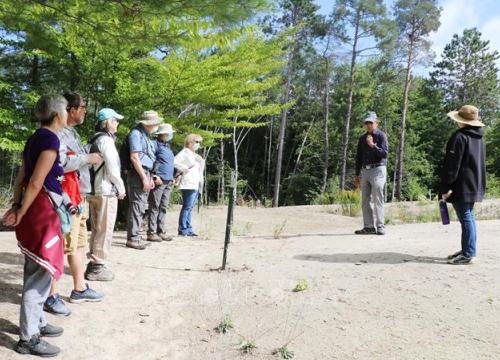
(76, 107)
(198, 142)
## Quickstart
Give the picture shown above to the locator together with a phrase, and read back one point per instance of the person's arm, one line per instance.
(76, 161)
(452, 161)
(111, 162)
(383, 148)
(181, 162)
(135, 146)
(42, 168)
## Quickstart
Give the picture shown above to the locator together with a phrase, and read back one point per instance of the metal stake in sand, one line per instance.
(229, 219)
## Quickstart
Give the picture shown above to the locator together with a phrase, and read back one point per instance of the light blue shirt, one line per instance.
(139, 142)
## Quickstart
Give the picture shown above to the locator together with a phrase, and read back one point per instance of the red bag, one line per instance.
(71, 185)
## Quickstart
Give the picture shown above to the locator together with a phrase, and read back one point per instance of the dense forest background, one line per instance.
(277, 90)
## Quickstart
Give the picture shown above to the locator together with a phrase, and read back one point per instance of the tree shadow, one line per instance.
(390, 258)
(7, 329)
(10, 293)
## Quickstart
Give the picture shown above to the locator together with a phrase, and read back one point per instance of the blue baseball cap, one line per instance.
(107, 113)
(370, 116)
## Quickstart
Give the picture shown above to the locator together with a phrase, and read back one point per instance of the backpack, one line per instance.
(124, 153)
(94, 149)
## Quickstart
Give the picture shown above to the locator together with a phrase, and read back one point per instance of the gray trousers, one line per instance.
(159, 198)
(36, 289)
(137, 201)
(372, 196)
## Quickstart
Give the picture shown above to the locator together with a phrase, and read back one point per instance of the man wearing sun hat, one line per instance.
(163, 177)
(463, 177)
(371, 164)
(139, 175)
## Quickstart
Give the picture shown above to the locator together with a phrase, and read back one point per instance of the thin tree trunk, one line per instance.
(269, 149)
(326, 148)
(222, 181)
(402, 124)
(299, 155)
(347, 125)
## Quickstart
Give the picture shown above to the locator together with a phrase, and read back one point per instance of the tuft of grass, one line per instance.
(350, 202)
(283, 352)
(225, 325)
(301, 285)
(278, 230)
(247, 346)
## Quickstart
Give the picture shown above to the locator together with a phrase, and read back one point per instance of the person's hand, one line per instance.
(157, 180)
(94, 158)
(357, 182)
(445, 196)
(369, 141)
(147, 184)
(121, 196)
(12, 217)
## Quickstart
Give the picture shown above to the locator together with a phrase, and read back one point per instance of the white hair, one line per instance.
(48, 106)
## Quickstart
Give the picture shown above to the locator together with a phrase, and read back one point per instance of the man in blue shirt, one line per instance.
(163, 177)
(371, 164)
(139, 177)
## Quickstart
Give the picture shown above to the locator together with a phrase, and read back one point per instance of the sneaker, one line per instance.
(154, 238)
(381, 231)
(461, 260)
(366, 231)
(134, 244)
(55, 305)
(88, 294)
(454, 255)
(36, 346)
(98, 272)
(51, 331)
(166, 237)
(192, 234)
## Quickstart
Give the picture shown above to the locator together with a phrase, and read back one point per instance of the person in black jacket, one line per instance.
(463, 177)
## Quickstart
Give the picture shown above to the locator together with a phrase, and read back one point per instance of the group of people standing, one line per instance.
(63, 182)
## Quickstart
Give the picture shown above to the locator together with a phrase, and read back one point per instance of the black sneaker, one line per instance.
(454, 255)
(461, 260)
(51, 331)
(381, 231)
(366, 231)
(36, 346)
(192, 234)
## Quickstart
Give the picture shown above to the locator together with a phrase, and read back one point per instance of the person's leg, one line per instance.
(96, 225)
(76, 261)
(193, 198)
(184, 216)
(137, 198)
(378, 185)
(36, 289)
(162, 215)
(459, 210)
(366, 202)
(154, 208)
(468, 222)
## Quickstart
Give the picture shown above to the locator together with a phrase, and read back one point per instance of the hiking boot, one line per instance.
(166, 237)
(381, 231)
(36, 346)
(461, 260)
(192, 234)
(454, 255)
(98, 272)
(154, 238)
(134, 244)
(366, 231)
(51, 331)
(55, 305)
(88, 294)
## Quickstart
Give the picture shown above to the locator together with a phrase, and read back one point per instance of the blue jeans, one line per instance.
(465, 214)
(189, 198)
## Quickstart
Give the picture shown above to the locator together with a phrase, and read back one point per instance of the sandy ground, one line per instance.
(369, 297)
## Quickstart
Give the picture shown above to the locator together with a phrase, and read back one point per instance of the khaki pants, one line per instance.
(77, 238)
(103, 211)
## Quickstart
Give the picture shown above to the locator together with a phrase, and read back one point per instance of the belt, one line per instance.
(372, 166)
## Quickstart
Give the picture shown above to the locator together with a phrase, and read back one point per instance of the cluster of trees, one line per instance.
(277, 90)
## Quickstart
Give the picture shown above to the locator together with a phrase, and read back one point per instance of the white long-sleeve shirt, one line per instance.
(108, 180)
(193, 166)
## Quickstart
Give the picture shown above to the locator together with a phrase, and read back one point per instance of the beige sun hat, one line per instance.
(467, 114)
(165, 129)
(150, 117)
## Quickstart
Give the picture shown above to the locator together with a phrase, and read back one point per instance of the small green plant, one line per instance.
(225, 325)
(301, 285)
(247, 346)
(278, 230)
(283, 352)
(350, 202)
(248, 227)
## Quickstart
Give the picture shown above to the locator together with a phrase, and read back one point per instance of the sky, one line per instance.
(457, 15)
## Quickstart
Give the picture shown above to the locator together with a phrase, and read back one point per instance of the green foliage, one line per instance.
(350, 202)
(278, 229)
(492, 186)
(283, 352)
(331, 193)
(302, 285)
(225, 325)
(247, 346)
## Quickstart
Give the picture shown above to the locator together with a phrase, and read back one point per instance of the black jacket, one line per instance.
(366, 155)
(464, 170)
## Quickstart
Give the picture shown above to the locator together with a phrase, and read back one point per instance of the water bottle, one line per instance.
(443, 209)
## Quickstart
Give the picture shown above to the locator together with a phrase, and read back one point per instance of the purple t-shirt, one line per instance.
(43, 139)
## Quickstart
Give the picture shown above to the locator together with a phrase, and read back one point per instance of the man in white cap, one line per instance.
(139, 175)
(371, 164)
(163, 177)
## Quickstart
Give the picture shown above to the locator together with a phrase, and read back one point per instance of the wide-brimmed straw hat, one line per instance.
(150, 117)
(165, 129)
(467, 114)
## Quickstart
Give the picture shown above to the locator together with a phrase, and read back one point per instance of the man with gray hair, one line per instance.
(371, 164)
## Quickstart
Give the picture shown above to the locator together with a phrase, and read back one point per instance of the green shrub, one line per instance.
(492, 186)
(350, 202)
(331, 193)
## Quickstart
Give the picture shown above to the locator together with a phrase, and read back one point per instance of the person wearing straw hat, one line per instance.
(371, 164)
(163, 177)
(463, 177)
(139, 175)
(107, 188)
